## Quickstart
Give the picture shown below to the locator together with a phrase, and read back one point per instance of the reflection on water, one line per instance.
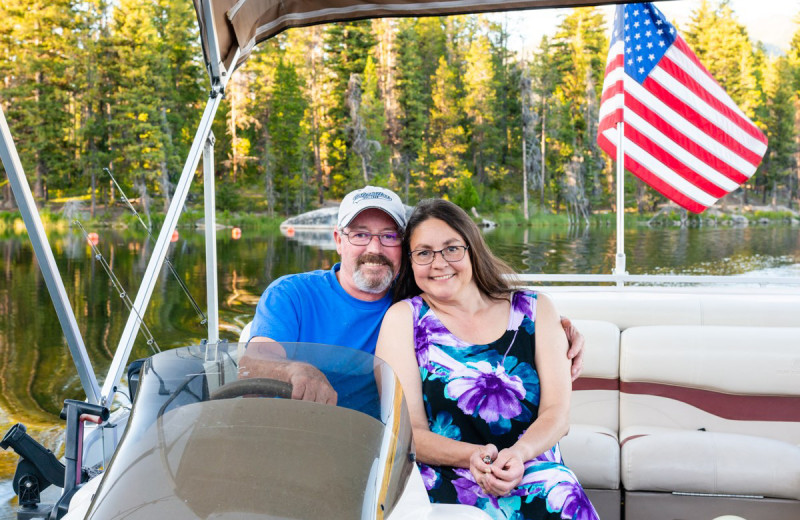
(36, 371)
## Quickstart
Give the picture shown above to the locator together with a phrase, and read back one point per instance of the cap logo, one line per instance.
(370, 196)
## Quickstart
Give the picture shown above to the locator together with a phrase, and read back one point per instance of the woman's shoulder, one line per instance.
(400, 310)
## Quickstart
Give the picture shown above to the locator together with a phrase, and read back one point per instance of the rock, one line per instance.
(318, 218)
(323, 218)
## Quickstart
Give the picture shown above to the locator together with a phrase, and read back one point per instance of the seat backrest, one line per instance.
(742, 380)
(595, 395)
(634, 307)
(244, 336)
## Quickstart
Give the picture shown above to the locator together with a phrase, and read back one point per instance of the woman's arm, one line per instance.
(396, 347)
(552, 422)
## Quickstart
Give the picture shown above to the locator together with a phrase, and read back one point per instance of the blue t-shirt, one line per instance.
(313, 307)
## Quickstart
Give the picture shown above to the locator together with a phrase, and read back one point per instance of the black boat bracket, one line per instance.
(38, 467)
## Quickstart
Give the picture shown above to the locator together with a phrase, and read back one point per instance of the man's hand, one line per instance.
(576, 344)
(309, 384)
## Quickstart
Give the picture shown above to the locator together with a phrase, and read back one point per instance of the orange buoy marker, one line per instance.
(175, 236)
(290, 231)
(236, 233)
(94, 238)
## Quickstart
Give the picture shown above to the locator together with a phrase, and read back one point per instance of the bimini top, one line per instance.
(230, 29)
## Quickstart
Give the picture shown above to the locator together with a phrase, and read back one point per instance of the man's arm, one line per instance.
(576, 344)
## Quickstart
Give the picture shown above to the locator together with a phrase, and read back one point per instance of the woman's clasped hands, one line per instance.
(497, 473)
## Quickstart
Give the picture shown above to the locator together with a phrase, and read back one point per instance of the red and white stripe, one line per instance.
(684, 135)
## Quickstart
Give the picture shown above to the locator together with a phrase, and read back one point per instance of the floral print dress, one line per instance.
(490, 394)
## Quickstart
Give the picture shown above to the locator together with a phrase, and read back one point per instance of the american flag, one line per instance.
(684, 136)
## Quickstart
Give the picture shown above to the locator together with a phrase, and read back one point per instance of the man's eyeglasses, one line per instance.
(449, 253)
(361, 238)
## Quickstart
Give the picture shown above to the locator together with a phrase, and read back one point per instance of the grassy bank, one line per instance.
(11, 221)
(54, 219)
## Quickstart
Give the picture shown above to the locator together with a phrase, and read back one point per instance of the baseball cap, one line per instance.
(371, 197)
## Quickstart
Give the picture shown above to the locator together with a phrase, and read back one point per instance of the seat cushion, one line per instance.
(709, 462)
(592, 452)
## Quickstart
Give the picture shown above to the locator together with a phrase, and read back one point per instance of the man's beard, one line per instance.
(375, 284)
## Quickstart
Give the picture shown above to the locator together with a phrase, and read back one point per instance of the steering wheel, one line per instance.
(261, 386)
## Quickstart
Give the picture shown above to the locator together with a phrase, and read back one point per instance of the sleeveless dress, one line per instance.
(490, 394)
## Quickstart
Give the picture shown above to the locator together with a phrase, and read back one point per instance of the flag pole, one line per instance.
(619, 263)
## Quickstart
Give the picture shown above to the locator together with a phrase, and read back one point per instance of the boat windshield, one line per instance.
(215, 433)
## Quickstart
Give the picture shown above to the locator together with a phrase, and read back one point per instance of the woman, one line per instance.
(488, 398)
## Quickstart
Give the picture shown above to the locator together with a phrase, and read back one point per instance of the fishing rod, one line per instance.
(197, 309)
(151, 341)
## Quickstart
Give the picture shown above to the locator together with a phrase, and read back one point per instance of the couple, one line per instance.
(488, 398)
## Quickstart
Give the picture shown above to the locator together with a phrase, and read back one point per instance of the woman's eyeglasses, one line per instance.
(449, 253)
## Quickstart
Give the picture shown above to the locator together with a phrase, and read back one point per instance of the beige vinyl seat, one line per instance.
(710, 422)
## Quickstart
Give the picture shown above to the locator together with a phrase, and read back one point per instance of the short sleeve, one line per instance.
(277, 314)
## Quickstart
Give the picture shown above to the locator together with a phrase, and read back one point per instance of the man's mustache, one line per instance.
(372, 258)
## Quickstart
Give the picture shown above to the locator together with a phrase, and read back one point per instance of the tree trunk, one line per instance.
(641, 190)
(8, 197)
(232, 131)
(165, 184)
(316, 91)
(387, 84)
(145, 202)
(543, 152)
(524, 180)
(269, 181)
(38, 185)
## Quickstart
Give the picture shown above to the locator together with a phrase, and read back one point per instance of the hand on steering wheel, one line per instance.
(261, 386)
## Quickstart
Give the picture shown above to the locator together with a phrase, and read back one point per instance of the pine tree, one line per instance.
(479, 105)
(305, 49)
(444, 155)
(386, 56)
(38, 92)
(579, 51)
(183, 84)
(347, 47)
(779, 162)
(722, 44)
(374, 117)
(289, 135)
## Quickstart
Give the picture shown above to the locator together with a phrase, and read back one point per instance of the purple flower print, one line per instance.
(430, 477)
(574, 503)
(468, 490)
(491, 392)
(560, 487)
(523, 306)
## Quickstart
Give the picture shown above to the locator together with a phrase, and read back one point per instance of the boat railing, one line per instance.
(603, 281)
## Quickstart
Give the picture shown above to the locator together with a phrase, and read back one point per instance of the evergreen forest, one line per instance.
(426, 106)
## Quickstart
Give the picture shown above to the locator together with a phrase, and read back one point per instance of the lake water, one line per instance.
(36, 371)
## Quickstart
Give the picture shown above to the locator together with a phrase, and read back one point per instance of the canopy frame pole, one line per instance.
(619, 260)
(47, 262)
(210, 221)
(162, 243)
(216, 68)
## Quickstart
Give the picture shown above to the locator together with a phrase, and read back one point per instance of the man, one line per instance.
(345, 305)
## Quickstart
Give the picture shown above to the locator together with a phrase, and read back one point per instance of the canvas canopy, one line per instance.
(232, 28)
